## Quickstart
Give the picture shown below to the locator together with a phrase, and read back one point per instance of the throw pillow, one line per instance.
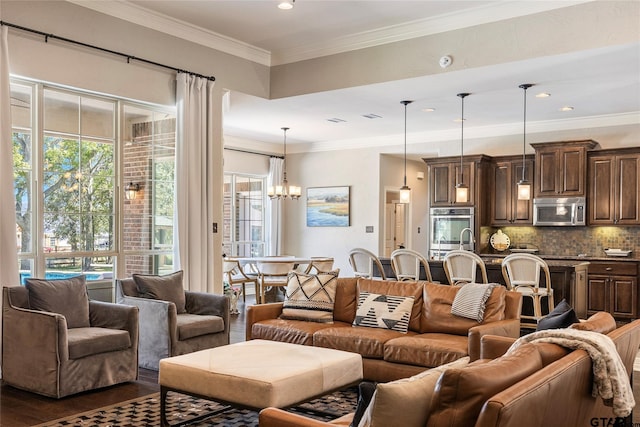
(406, 402)
(165, 288)
(310, 297)
(383, 311)
(365, 394)
(471, 299)
(602, 322)
(64, 296)
(562, 316)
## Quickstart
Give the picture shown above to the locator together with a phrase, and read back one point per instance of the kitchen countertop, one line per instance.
(566, 259)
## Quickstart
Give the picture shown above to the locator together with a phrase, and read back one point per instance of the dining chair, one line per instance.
(274, 273)
(521, 272)
(234, 274)
(364, 263)
(319, 265)
(460, 267)
(406, 265)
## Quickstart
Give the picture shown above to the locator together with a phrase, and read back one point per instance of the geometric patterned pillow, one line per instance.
(384, 311)
(310, 296)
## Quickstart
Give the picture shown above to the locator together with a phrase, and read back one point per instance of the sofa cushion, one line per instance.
(460, 393)
(67, 297)
(310, 297)
(84, 342)
(403, 289)
(426, 350)
(602, 322)
(562, 316)
(165, 288)
(193, 325)
(369, 342)
(344, 309)
(383, 311)
(405, 402)
(437, 316)
(291, 331)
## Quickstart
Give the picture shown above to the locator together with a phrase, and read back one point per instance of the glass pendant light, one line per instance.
(462, 190)
(284, 190)
(524, 187)
(405, 191)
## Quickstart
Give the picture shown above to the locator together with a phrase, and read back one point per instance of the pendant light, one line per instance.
(284, 190)
(462, 190)
(524, 187)
(405, 191)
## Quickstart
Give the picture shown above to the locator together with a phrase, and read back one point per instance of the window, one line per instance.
(243, 228)
(67, 184)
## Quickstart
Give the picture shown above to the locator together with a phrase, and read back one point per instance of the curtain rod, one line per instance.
(113, 52)
(253, 152)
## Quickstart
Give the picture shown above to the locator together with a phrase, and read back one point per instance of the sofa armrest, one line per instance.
(256, 313)
(274, 417)
(494, 346)
(505, 328)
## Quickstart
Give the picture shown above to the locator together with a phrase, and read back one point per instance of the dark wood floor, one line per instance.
(19, 408)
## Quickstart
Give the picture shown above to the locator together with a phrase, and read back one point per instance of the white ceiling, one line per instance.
(602, 85)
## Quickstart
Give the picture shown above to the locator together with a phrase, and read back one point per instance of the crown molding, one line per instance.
(156, 21)
(496, 11)
(591, 122)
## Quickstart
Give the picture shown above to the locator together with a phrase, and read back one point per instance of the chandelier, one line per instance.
(284, 190)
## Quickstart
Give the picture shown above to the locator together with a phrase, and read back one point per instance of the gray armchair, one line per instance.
(41, 354)
(164, 332)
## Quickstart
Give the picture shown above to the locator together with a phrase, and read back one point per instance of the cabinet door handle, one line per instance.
(608, 268)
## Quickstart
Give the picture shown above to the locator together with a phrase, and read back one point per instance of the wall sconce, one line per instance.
(131, 191)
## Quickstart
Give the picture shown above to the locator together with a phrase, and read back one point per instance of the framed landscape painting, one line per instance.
(328, 207)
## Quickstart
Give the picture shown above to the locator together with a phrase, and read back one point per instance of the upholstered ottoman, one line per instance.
(259, 373)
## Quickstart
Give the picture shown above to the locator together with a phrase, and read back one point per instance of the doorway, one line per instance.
(395, 223)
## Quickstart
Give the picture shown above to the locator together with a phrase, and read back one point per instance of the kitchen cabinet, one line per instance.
(612, 287)
(561, 168)
(614, 185)
(446, 172)
(505, 207)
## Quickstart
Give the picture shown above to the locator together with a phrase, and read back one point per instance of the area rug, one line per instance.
(181, 408)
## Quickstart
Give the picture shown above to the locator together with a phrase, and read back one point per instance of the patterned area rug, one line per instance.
(181, 408)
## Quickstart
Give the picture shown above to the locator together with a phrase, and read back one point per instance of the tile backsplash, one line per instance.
(567, 241)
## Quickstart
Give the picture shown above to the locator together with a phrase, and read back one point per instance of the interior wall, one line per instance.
(359, 169)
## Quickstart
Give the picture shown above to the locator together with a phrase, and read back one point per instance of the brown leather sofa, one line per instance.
(435, 336)
(559, 393)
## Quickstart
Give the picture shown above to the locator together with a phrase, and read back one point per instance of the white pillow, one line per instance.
(405, 402)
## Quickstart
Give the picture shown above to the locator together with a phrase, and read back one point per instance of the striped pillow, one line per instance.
(470, 300)
(384, 311)
(310, 296)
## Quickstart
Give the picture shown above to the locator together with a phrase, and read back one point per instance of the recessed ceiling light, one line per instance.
(543, 95)
(429, 110)
(567, 108)
(286, 4)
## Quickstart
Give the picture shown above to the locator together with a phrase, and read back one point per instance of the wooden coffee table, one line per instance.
(259, 373)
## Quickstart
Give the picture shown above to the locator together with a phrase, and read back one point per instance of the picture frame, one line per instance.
(328, 206)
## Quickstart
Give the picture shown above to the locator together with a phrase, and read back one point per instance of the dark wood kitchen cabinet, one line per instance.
(561, 168)
(614, 187)
(612, 287)
(445, 173)
(505, 207)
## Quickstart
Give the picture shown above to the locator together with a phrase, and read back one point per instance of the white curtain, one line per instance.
(8, 243)
(194, 197)
(274, 209)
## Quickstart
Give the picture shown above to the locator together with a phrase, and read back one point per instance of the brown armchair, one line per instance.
(174, 322)
(93, 345)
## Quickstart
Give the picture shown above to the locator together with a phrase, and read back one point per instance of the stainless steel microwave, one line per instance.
(562, 211)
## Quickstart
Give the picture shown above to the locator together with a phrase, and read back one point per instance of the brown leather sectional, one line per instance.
(435, 336)
(548, 386)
